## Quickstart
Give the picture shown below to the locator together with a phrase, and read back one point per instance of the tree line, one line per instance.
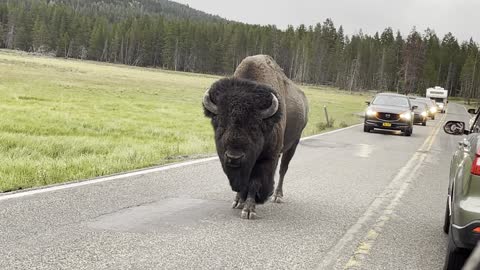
(157, 33)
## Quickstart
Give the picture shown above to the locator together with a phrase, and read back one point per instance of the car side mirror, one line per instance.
(414, 107)
(455, 128)
(368, 103)
(472, 111)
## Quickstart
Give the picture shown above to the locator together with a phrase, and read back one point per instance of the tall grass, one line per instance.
(64, 120)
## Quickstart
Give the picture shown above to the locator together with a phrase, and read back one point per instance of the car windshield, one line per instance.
(429, 102)
(397, 101)
(438, 100)
(421, 105)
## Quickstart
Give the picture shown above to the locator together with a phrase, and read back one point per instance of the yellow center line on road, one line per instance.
(415, 163)
(382, 206)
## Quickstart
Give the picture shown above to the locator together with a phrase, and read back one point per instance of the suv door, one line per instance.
(463, 149)
(461, 165)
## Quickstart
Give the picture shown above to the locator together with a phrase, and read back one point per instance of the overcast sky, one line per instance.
(461, 17)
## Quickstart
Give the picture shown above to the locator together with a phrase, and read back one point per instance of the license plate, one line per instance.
(387, 124)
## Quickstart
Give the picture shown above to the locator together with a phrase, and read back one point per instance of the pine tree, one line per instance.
(23, 33)
(470, 76)
(40, 36)
(170, 47)
(97, 41)
(431, 68)
(413, 60)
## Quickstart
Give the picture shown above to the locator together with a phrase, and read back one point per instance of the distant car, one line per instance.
(389, 111)
(441, 107)
(432, 106)
(462, 214)
(420, 113)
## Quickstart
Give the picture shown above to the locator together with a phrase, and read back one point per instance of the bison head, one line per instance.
(243, 115)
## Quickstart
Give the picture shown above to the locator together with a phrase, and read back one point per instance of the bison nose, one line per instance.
(233, 160)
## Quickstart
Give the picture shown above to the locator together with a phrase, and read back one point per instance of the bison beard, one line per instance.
(250, 126)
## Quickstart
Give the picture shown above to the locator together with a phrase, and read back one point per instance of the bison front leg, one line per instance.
(239, 201)
(248, 211)
(260, 187)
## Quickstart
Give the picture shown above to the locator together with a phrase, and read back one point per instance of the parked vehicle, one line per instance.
(389, 111)
(440, 96)
(462, 214)
(420, 113)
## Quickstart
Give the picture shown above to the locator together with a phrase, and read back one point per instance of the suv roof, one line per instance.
(390, 94)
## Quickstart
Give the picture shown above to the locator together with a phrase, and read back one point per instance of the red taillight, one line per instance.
(476, 230)
(476, 166)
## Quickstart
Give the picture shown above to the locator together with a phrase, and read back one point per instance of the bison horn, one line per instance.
(208, 103)
(272, 109)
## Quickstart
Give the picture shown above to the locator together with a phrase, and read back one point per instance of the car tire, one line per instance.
(433, 117)
(366, 128)
(446, 222)
(456, 257)
(424, 123)
(408, 132)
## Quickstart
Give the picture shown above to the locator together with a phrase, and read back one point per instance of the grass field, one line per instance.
(66, 120)
(474, 103)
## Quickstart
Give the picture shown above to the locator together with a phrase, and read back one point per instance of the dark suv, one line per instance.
(390, 111)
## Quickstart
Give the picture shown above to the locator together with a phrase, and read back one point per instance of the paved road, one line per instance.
(353, 200)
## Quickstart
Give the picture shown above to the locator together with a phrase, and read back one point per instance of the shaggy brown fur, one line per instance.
(256, 143)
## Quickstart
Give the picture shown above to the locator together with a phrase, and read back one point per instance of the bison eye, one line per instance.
(219, 132)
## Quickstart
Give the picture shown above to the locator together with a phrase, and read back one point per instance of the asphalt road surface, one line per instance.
(352, 201)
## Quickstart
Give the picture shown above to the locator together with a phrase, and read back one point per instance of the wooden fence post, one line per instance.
(326, 115)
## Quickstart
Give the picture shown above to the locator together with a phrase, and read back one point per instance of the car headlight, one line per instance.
(371, 112)
(440, 105)
(433, 110)
(424, 114)
(406, 115)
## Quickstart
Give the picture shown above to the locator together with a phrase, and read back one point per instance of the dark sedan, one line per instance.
(389, 111)
(431, 105)
(420, 113)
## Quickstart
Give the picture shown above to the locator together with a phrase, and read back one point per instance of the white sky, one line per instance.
(461, 17)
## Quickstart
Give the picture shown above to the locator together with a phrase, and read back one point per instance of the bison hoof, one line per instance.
(248, 214)
(238, 204)
(277, 199)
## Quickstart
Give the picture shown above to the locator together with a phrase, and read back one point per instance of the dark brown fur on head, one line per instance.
(240, 100)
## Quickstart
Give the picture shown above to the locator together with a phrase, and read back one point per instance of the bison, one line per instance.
(257, 115)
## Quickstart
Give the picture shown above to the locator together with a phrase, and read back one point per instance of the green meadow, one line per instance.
(63, 120)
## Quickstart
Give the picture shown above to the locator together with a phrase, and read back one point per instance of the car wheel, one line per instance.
(456, 257)
(408, 132)
(366, 128)
(446, 222)
(433, 117)
(424, 123)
